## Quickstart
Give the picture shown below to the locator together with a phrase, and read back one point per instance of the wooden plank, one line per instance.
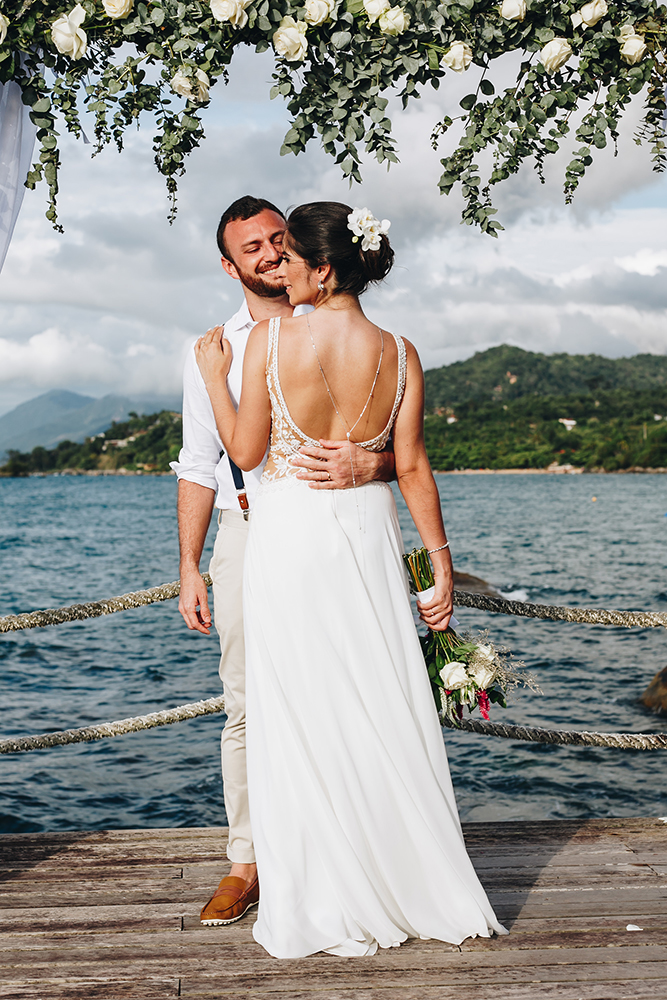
(104, 893)
(316, 979)
(567, 859)
(81, 918)
(91, 989)
(430, 959)
(31, 877)
(122, 921)
(627, 990)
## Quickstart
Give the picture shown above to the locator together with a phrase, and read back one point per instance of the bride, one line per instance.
(355, 824)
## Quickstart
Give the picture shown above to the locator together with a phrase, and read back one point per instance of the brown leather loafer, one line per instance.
(232, 898)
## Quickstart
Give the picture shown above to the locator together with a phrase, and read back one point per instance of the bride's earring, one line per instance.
(320, 285)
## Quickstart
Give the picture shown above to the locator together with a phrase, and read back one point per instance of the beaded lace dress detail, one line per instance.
(286, 437)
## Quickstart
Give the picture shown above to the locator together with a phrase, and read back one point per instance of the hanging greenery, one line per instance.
(337, 63)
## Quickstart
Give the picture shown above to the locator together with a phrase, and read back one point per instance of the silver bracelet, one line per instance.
(431, 551)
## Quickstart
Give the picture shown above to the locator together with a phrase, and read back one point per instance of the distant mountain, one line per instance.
(68, 416)
(505, 373)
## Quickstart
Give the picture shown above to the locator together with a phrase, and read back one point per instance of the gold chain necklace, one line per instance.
(340, 416)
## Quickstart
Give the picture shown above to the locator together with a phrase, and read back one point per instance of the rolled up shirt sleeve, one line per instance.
(202, 447)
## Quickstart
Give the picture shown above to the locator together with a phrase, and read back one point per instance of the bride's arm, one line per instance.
(244, 434)
(420, 492)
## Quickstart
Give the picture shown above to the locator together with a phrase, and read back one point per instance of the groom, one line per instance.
(250, 242)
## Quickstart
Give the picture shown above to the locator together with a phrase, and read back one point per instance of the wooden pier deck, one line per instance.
(114, 916)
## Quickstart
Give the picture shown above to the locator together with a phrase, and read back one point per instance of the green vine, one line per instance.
(338, 62)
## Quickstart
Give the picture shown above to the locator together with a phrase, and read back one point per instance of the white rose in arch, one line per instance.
(318, 11)
(513, 10)
(203, 84)
(68, 35)
(289, 40)
(590, 13)
(182, 84)
(231, 10)
(633, 47)
(117, 8)
(454, 675)
(459, 57)
(393, 21)
(4, 24)
(374, 8)
(555, 54)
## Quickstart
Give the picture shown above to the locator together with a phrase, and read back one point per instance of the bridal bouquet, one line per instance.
(464, 670)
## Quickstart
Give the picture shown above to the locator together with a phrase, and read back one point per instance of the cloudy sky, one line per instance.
(112, 305)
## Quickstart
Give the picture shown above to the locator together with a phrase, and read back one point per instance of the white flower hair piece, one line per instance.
(367, 228)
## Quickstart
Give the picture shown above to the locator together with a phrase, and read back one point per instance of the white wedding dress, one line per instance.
(355, 824)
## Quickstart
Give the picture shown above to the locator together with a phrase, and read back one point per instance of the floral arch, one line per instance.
(337, 63)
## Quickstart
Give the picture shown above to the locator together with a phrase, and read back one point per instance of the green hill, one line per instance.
(613, 430)
(502, 408)
(505, 373)
(146, 444)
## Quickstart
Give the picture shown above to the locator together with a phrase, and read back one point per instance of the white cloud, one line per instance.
(111, 305)
(645, 261)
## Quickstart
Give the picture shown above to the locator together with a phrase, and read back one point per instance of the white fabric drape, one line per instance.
(17, 138)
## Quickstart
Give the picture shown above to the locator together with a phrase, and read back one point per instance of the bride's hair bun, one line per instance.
(319, 232)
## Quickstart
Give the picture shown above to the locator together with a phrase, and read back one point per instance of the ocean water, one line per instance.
(71, 539)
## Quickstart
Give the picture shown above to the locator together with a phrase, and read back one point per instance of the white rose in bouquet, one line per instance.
(454, 675)
(230, 10)
(374, 8)
(590, 13)
(393, 21)
(318, 11)
(483, 668)
(289, 40)
(4, 24)
(633, 46)
(459, 57)
(117, 8)
(68, 35)
(513, 10)
(555, 54)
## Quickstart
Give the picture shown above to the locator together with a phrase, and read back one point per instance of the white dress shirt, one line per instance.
(201, 459)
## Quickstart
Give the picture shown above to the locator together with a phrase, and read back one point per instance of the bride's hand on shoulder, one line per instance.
(213, 353)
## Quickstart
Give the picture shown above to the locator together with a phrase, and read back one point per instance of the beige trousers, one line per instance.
(226, 571)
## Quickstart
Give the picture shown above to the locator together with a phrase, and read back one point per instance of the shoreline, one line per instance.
(561, 470)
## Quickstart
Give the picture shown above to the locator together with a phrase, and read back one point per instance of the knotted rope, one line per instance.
(622, 741)
(89, 733)
(166, 592)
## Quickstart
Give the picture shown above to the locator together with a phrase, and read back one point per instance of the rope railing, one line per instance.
(87, 734)
(168, 591)
(94, 609)
(563, 737)
(497, 605)
(105, 729)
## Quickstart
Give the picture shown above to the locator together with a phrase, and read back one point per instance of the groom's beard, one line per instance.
(260, 286)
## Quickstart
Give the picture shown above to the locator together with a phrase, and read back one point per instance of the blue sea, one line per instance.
(587, 541)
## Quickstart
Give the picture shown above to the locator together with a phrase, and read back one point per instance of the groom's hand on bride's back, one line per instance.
(330, 467)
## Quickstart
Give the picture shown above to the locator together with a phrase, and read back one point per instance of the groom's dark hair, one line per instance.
(243, 208)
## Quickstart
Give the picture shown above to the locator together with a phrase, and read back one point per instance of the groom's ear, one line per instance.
(229, 268)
